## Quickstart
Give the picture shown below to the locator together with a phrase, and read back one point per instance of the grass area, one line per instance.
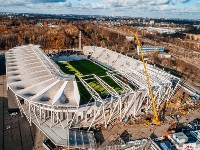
(81, 67)
(84, 94)
(70, 69)
(112, 83)
(98, 87)
(86, 67)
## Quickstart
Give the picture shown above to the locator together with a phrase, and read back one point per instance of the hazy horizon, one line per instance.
(182, 9)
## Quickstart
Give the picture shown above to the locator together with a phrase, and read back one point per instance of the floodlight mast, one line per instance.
(155, 119)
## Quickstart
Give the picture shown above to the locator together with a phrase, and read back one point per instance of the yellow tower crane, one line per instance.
(155, 119)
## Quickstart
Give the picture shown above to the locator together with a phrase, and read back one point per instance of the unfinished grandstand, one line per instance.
(81, 91)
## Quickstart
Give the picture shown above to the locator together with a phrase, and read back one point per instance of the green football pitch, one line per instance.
(85, 69)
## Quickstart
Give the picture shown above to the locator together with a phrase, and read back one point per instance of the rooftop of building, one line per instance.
(34, 77)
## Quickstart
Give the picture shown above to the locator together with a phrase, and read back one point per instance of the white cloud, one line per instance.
(149, 8)
(185, 1)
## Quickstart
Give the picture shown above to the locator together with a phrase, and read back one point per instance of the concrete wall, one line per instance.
(12, 104)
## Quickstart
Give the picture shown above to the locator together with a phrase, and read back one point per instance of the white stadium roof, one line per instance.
(36, 78)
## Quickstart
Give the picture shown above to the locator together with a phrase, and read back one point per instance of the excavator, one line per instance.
(181, 109)
(179, 103)
(155, 120)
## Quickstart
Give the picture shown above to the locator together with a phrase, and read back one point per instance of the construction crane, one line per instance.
(155, 119)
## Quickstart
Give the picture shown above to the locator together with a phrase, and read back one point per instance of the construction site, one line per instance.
(96, 98)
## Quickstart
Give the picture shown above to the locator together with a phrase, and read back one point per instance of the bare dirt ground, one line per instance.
(139, 131)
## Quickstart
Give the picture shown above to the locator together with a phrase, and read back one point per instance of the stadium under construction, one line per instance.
(64, 94)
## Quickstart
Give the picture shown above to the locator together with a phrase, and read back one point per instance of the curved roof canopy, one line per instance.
(34, 77)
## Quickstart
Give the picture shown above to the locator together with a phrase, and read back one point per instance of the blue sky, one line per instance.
(189, 9)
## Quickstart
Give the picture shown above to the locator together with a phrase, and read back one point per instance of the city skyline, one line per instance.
(186, 9)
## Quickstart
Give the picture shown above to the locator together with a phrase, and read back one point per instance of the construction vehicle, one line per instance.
(155, 119)
(181, 109)
(147, 123)
(180, 99)
(178, 105)
(173, 126)
(169, 104)
(189, 99)
(171, 129)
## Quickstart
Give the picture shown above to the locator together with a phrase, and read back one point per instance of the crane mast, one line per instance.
(155, 119)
